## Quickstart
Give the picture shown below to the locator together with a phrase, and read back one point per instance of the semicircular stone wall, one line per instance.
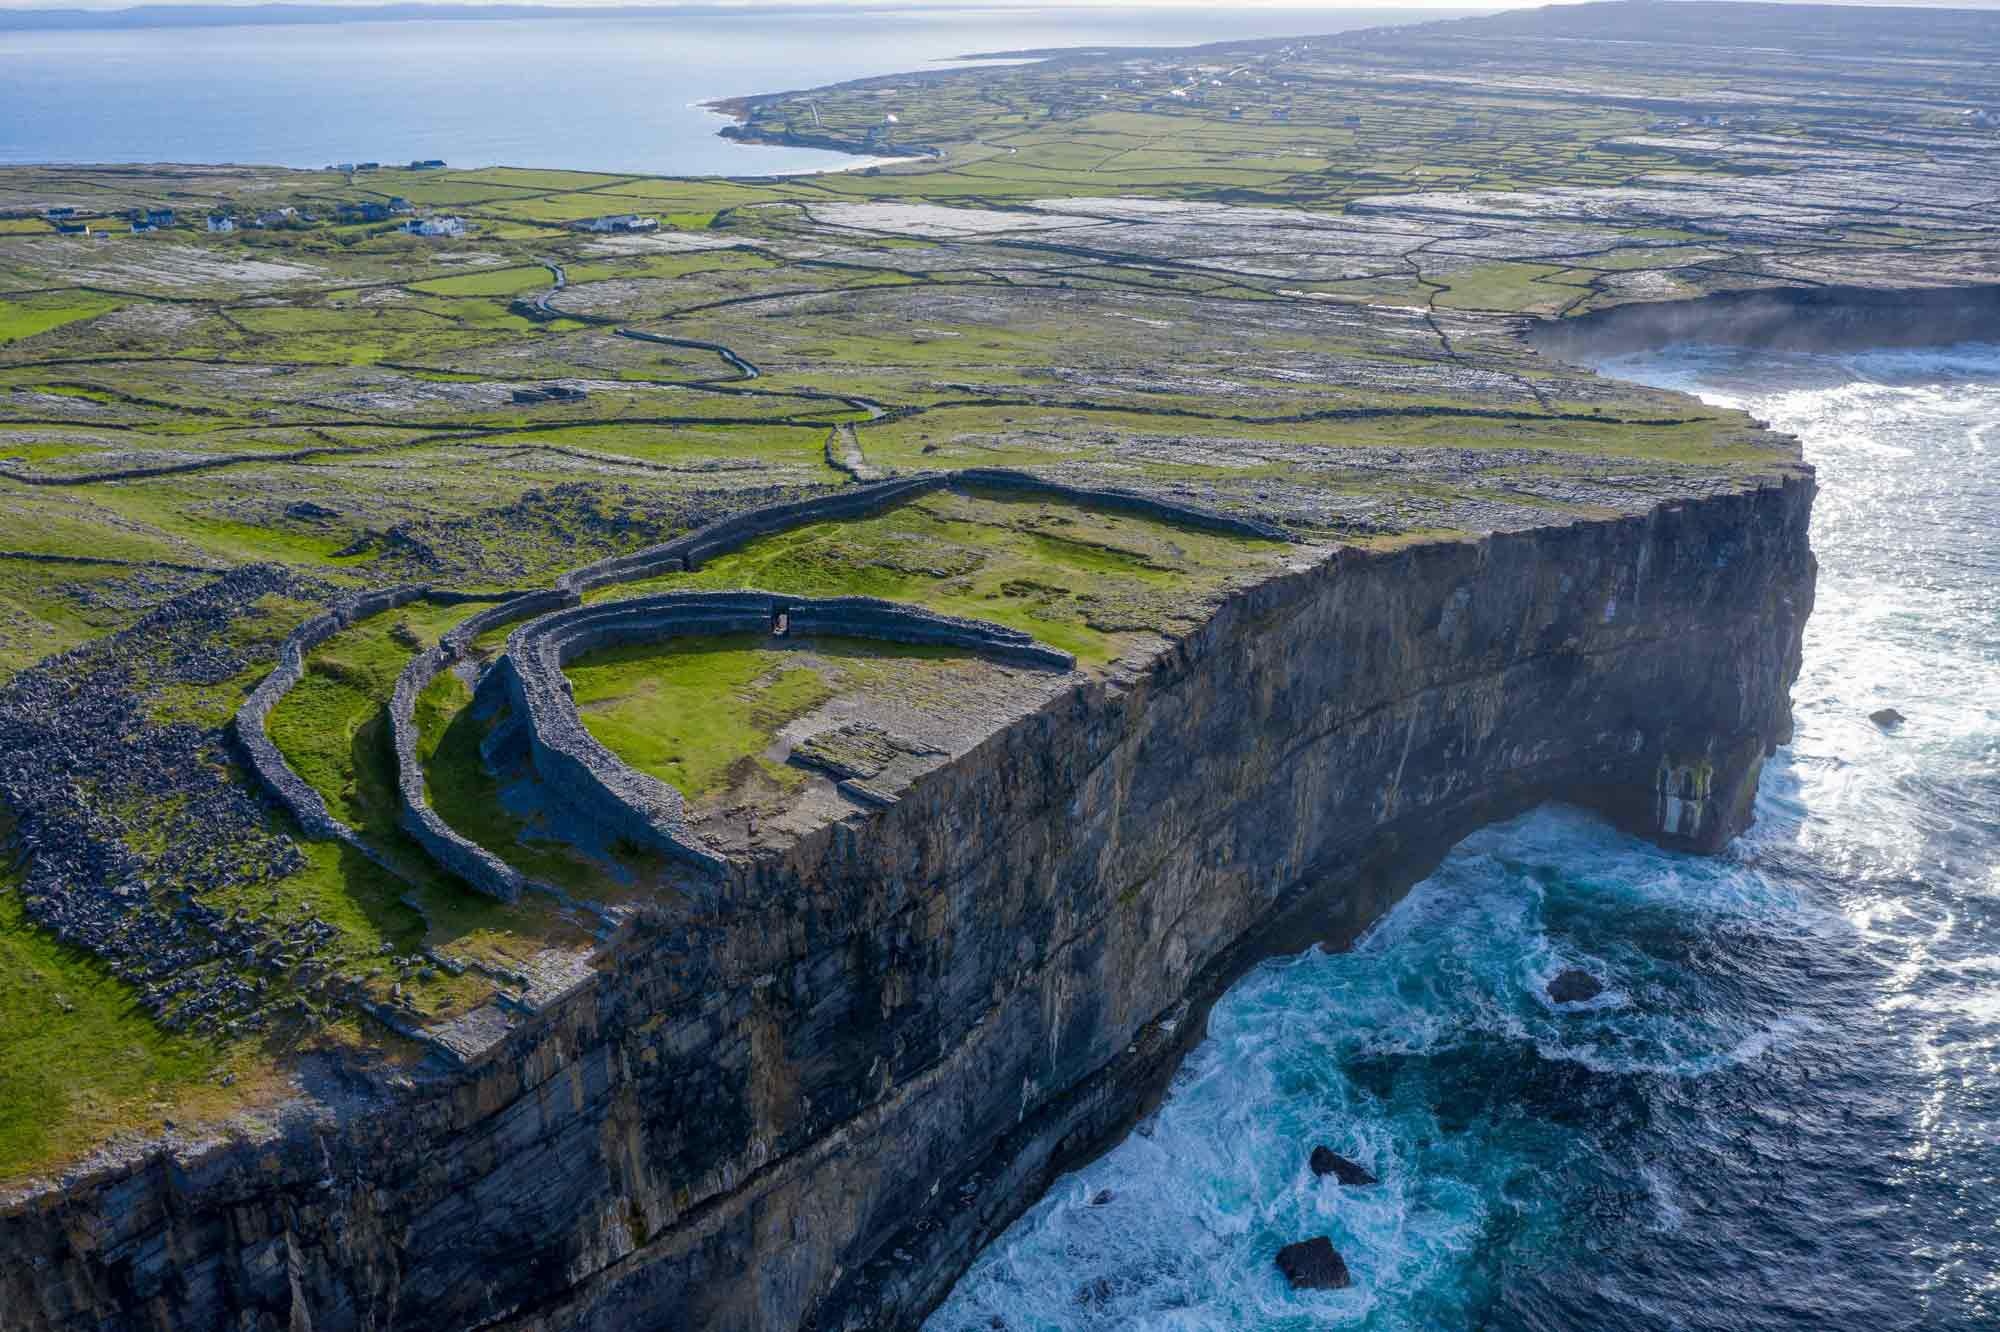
(477, 866)
(584, 781)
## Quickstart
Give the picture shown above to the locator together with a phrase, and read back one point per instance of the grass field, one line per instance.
(690, 712)
(702, 715)
(1076, 578)
(81, 1060)
(24, 317)
(336, 712)
(1291, 284)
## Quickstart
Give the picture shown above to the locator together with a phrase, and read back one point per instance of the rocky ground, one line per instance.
(1286, 280)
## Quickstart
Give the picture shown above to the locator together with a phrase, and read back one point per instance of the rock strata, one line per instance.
(798, 1082)
(1826, 318)
(890, 1035)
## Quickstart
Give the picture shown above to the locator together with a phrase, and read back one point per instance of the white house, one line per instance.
(621, 222)
(221, 223)
(435, 226)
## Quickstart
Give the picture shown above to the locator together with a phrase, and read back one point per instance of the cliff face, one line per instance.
(810, 1113)
(1811, 319)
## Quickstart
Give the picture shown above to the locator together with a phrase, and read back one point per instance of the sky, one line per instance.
(752, 5)
(667, 5)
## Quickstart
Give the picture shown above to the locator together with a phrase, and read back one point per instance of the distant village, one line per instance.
(70, 221)
(223, 220)
(73, 222)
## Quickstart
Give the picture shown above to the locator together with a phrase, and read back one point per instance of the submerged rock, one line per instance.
(1313, 1265)
(1326, 1161)
(1092, 1294)
(1101, 1197)
(1887, 718)
(1575, 986)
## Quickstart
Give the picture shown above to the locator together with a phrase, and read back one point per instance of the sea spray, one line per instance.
(1432, 1054)
(1783, 1110)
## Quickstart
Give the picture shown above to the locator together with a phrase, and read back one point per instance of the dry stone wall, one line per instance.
(731, 533)
(251, 725)
(1118, 500)
(648, 814)
(586, 782)
(253, 737)
(806, 1104)
(455, 854)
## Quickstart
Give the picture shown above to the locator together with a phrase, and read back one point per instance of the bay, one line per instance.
(596, 94)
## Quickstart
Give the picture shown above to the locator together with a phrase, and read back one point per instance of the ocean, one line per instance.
(1784, 1111)
(596, 94)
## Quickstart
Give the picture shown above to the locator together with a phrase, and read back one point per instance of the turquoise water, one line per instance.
(593, 94)
(1784, 1111)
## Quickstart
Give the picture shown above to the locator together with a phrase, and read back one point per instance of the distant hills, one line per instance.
(215, 16)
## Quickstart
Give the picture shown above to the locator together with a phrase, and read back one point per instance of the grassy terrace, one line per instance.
(703, 716)
(1282, 279)
(333, 729)
(468, 795)
(1092, 583)
(700, 714)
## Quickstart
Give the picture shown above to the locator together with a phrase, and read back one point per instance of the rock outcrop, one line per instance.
(1574, 986)
(809, 1105)
(1813, 319)
(1313, 1264)
(1351, 1174)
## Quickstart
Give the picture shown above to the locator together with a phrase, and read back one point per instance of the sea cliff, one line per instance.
(810, 1111)
(1805, 319)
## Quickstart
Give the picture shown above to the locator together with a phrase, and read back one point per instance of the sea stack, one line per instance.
(1314, 1264)
(1574, 986)
(1326, 1161)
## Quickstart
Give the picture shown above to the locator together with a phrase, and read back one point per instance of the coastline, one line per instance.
(735, 119)
(1346, 903)
(811, 1101)
(1331, 906)
(1165, 945)
(738, 111)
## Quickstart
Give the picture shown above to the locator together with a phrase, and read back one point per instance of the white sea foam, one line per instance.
(1512, 1134)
